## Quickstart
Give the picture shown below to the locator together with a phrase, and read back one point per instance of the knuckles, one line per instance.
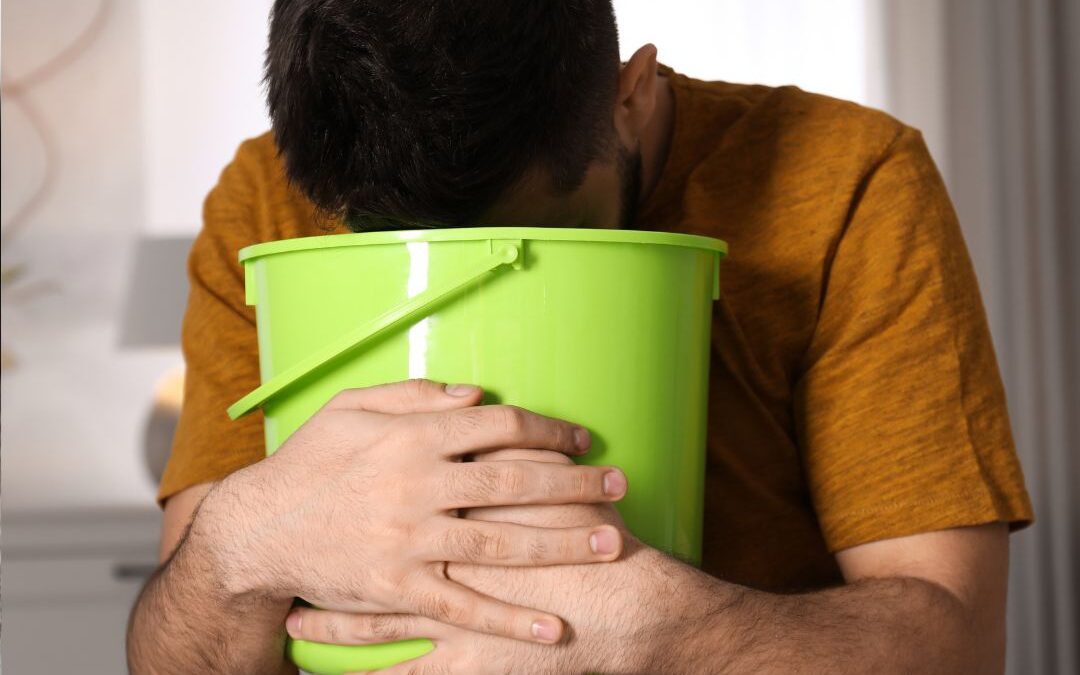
(488, 484)
(335, 628)
(470, 544)
(583, 485)
(321, 628)
(384, 627)
(435, 606)
(467, 484)
(510, 480)
(510, 419)
(466, 421)
(537, 550)
(418, 390)
(567, 549)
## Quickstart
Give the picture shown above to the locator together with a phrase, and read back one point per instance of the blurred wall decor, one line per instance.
(131, 118)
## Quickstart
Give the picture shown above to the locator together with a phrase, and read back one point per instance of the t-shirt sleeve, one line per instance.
(900, 406)
(219, 342)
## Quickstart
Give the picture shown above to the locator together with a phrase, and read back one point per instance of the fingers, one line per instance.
(344, 628)
(492, 427)
(514, 482)
(511, 545)
(451, 603)
(410, 396)
(518, 453)
(456, 423)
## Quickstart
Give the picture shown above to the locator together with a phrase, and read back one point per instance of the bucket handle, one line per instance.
(503, 253)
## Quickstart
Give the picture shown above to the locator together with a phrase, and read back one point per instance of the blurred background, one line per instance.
(118, 115)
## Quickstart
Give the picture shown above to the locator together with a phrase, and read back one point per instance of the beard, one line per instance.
(629, 186)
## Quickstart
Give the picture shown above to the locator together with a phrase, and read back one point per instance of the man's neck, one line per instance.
(656, 140)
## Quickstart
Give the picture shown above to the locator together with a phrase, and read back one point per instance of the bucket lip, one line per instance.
(480, 233)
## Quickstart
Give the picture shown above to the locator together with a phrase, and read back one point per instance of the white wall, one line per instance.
(826, 46)
(201, 93)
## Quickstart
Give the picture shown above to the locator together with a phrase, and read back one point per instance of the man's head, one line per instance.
(459, 112)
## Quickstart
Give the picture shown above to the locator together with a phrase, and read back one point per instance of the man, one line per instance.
(861, 476)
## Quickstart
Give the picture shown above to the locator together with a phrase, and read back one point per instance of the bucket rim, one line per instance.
(585, 235)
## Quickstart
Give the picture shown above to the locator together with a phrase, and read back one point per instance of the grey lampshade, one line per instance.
(157, 293)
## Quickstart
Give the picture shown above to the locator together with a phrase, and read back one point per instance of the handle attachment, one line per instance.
(502, 253)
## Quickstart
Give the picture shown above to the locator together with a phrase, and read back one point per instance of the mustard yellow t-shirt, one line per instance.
(854, 391)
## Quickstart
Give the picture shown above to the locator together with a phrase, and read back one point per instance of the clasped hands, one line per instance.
(369, 513)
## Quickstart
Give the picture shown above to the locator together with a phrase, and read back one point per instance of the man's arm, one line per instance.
(928, 603)
(184, 620)
(355, 512)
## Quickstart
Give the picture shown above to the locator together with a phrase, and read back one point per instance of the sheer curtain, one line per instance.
(998, 84)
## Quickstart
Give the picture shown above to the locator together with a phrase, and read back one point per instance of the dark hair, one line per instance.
(395, 113)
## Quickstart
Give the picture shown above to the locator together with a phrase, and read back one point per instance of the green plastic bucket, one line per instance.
(606, 328)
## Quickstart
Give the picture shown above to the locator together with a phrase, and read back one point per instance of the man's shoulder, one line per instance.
(784, 129)
(778, 172)
(256, 165)
(259, 150)
(255, 182)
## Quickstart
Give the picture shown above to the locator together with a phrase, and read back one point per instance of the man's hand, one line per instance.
(932, 602)
(357, 510)
(601, 604)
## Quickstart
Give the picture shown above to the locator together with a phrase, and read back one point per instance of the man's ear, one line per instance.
(636, 96)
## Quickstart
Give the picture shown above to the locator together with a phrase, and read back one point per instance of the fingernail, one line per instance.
(604, 542)
(614, 484)
(545, 631)
(460, 390)
(292, 624)
(582, 438)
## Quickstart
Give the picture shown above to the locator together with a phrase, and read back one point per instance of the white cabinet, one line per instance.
(68, 581)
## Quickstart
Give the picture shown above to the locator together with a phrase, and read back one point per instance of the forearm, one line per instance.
(656, 614)
(186, 620)
(894, 625)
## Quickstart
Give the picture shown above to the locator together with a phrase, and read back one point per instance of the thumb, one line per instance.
(410, 396)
